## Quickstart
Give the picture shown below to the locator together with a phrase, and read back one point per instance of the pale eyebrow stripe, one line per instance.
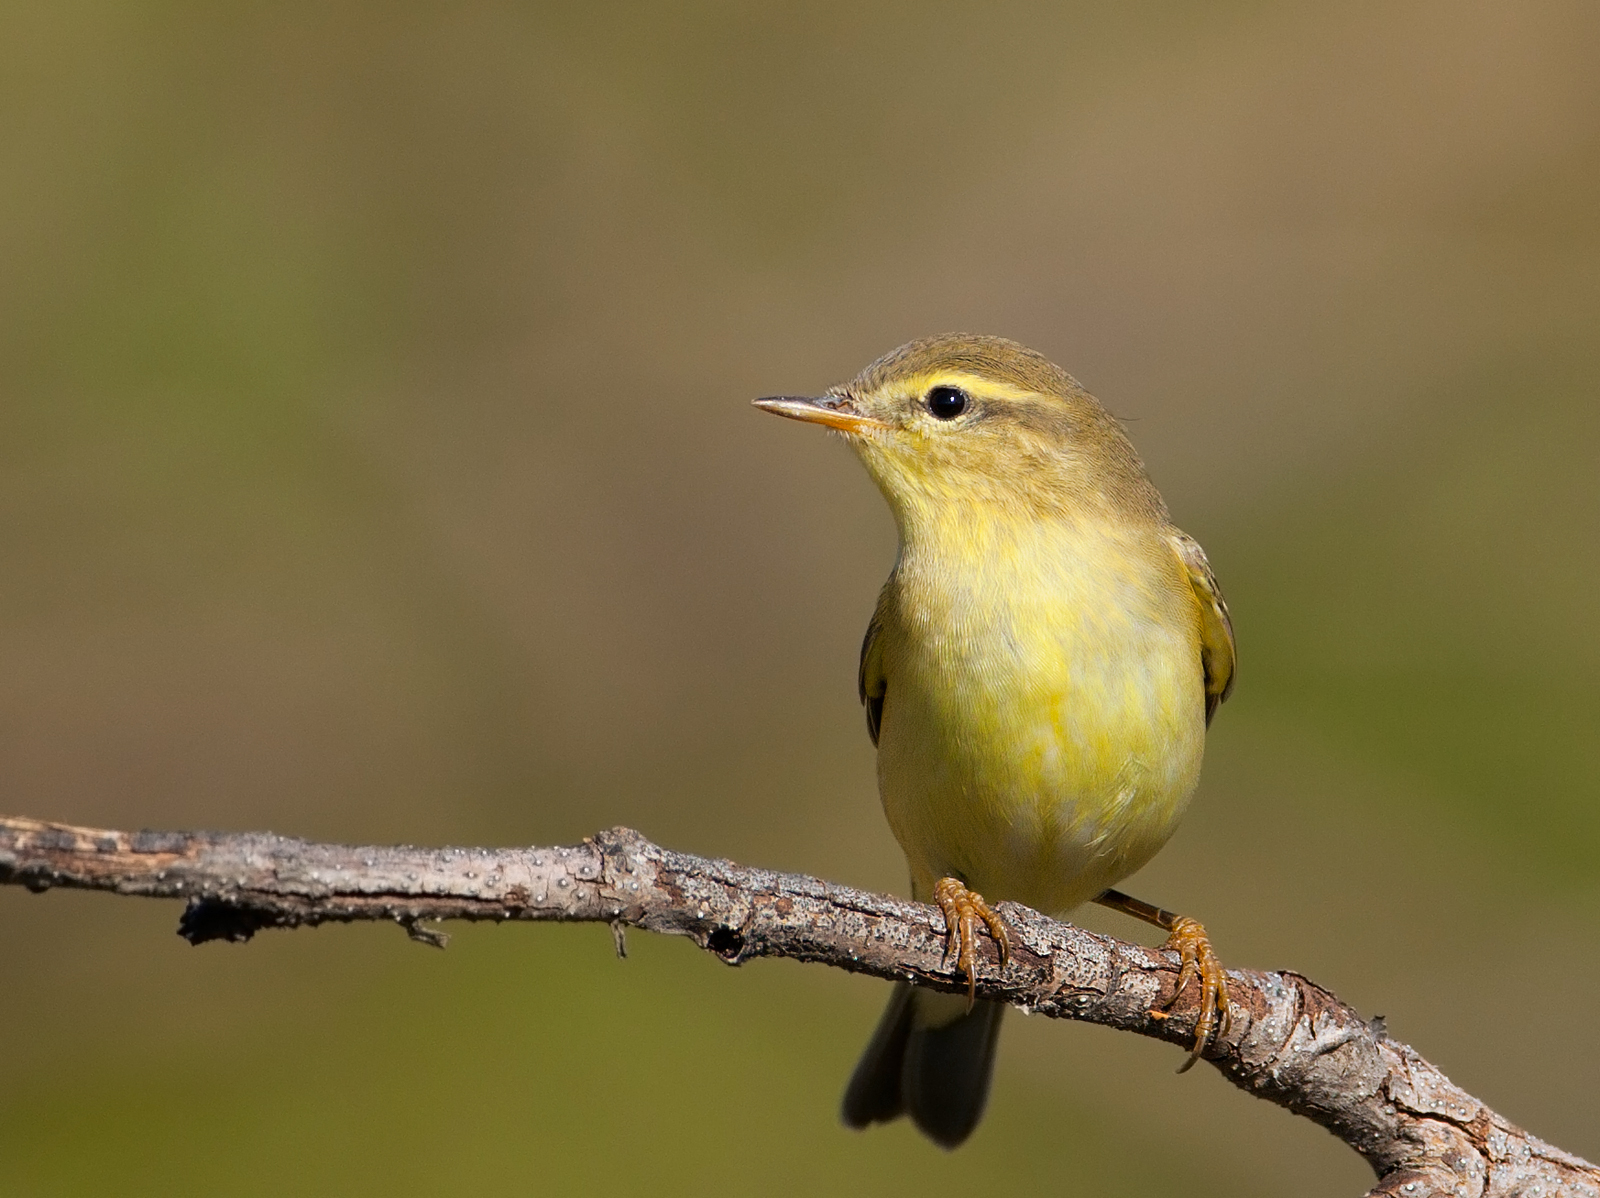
(974, 384)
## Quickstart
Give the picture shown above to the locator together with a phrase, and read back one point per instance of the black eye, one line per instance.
(947, 402)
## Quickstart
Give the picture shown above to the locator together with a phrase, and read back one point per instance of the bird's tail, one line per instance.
(931, 1059)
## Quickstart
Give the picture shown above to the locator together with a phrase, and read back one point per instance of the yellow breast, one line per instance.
(1044, 707)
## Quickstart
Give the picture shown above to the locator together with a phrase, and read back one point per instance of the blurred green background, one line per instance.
(376, 464)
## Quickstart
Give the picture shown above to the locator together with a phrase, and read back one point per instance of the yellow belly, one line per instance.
(1044, 712)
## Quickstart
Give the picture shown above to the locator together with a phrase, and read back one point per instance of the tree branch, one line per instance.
(1292, 1042)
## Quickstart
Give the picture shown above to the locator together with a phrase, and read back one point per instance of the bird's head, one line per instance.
(962, 421)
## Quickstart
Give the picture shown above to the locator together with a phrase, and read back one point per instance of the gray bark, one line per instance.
(1291, 1043)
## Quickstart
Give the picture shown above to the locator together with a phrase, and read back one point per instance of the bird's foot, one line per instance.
(1199, 964)
(963, 909)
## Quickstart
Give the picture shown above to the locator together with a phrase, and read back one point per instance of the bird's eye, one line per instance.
(947, 403)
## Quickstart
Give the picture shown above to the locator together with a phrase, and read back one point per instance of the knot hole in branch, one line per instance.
(727, 943)
(212, 919)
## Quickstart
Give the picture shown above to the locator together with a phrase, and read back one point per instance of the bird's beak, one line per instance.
(835, 411)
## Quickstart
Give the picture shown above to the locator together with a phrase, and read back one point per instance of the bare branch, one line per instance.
(1292, 1042)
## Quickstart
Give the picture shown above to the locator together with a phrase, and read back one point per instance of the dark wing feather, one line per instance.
(1217, 653)
(870, 680)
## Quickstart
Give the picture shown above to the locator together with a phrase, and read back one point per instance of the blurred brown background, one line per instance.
(376, 464)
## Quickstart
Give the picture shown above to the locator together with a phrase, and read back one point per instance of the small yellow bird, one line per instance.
(1038, 677)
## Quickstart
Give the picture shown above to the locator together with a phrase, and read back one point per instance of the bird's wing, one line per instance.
(1216, 629)
(870, 679)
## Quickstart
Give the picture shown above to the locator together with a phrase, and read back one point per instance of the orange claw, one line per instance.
(962, 909)
(1199, 963)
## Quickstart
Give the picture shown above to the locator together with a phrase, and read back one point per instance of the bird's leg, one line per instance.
(962, 909)
(1188, 939)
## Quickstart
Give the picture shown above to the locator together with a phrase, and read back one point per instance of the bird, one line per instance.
(1038, 675)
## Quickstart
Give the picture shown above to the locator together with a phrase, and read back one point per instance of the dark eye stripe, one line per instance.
(946, 403)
